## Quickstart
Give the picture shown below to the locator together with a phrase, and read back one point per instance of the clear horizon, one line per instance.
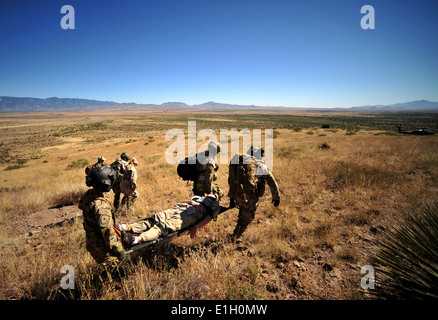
(276, 53)
(218, 102)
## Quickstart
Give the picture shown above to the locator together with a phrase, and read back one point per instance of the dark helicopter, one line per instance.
(418, 132)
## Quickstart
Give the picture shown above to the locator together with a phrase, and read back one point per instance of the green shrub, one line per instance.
(408, 258)
(240, 290)
(14, 166)
(80, 163)
(352, 131)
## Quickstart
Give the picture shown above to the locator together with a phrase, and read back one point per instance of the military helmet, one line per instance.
(125, 156)
(256, 152)
(212, 145)
(101, 178)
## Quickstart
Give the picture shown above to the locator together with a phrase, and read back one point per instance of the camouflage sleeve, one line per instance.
(270, 179)
(209, 176)
(231, 181)
(106, 224)
(134, 178)
(81, 204)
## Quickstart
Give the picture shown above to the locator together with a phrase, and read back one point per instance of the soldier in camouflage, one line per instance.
(100, 162)
(119, 166)
(206, 167)
(246, 189)
(128, 184)
(196, 212)
(101, 240)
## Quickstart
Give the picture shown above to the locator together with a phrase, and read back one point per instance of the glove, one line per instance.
(276, 202)
(232, 203)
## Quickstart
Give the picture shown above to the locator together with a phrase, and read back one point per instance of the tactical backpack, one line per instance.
(242, 178)
(127, 173)
(118, 167)
(186, 170)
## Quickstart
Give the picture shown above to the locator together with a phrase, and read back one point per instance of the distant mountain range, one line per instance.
(412, 105)
(18, 104)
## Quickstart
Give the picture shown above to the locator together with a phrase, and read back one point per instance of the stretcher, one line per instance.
(164, 236)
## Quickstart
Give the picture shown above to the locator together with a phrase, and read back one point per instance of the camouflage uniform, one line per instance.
(119, 165)
(101, 240)
(128, 184)
(247, 197)
(203, 184)
(183, 215)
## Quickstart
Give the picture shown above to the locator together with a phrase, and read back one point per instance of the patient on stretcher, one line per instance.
(196, 212)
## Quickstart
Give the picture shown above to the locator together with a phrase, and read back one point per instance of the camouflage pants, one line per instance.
(172, 220)
(247, 211)
(100, 254)
(117, 191)
(129, 199)
(146, 228)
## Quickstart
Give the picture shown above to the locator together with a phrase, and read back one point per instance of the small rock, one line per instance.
(337, 274)
(327, 267)
(271, 287)
(292, 283)
(280, 265)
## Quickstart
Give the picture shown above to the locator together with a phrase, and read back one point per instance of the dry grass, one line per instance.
(310, 247)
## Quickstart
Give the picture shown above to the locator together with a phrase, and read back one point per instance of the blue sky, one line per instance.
(264, 52)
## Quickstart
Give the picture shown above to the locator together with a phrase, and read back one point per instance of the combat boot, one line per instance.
(236, 236)
(127, 239)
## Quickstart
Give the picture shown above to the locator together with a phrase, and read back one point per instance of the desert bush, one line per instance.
(240, 290)
(21, 161)
(324, 146)
(351, 131)
(14, 166)
(80, 163)
(408, 257)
